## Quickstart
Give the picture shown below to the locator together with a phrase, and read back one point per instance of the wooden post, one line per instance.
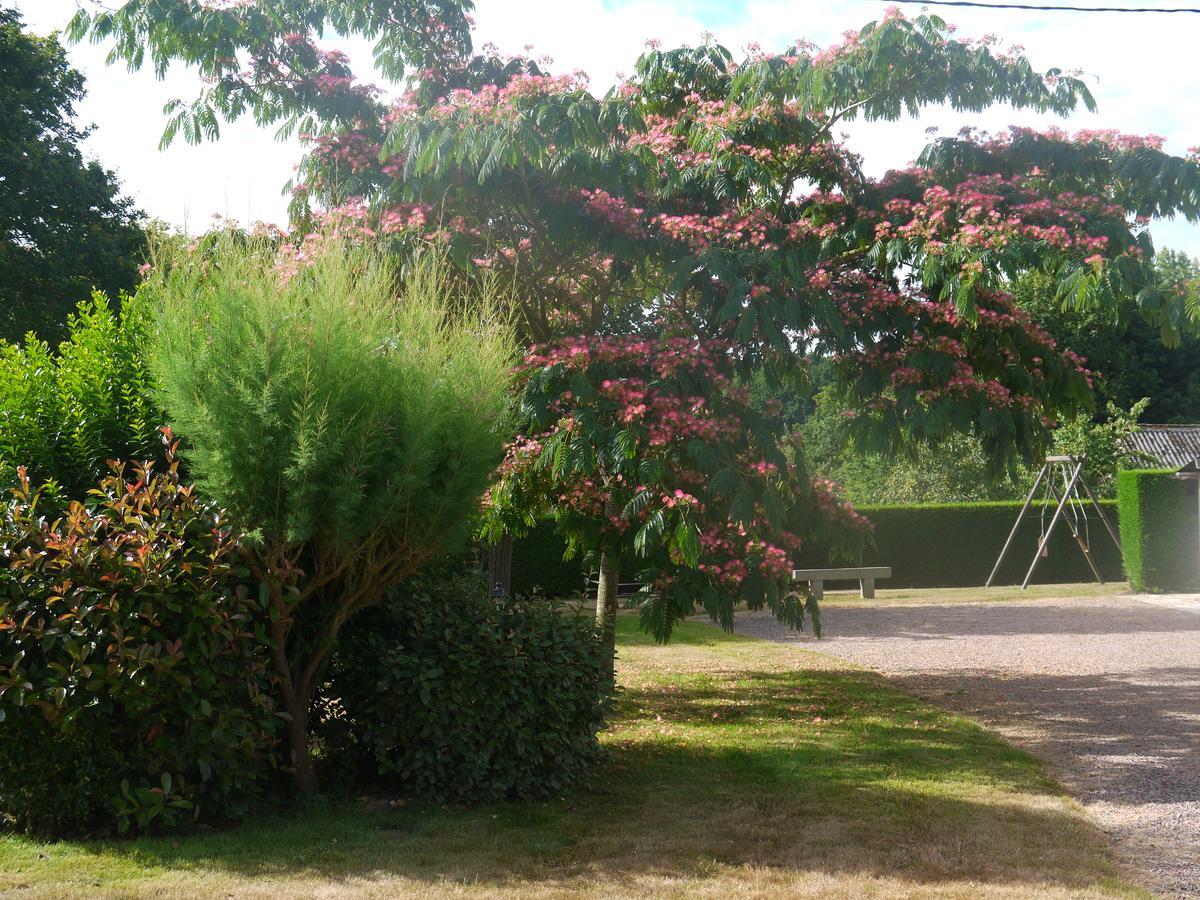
(500, 567)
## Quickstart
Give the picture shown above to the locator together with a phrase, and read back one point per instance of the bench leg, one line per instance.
(867, 588)
(818, 590)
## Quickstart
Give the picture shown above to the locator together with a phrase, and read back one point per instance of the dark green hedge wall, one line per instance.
(932, 545)
(956, 545)
(538, 565)
(1159, 530)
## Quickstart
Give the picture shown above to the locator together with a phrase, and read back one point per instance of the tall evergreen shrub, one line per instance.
(347, 415)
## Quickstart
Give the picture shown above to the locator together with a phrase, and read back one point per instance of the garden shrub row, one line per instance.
(1159, 530)
(927, 546)
(159, 665)
(136, 686)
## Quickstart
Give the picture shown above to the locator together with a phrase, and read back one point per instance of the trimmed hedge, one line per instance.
(1159, 530)
(538, 565)
(956, 545)
(927, 545)
(447, 694)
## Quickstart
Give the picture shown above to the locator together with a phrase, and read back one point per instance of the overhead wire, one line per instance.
(979, 4)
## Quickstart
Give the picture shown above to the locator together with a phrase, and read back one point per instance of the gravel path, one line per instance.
(1107, 690)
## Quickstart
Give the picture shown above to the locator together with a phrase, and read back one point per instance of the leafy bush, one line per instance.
(1101, 444)
(135, 682)
(446, 693)
(346, 414)
(64, 414)
(1159, 530)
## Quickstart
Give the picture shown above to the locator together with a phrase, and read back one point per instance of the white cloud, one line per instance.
(1141, 68)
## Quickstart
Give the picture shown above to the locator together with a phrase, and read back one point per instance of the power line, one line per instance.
(1103, 9)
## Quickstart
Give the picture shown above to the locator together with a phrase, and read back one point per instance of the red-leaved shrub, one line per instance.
(135, 683)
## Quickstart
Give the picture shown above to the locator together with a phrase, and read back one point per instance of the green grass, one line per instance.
(736, 767)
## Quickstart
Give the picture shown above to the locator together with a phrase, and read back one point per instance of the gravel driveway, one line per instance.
(1106, 689)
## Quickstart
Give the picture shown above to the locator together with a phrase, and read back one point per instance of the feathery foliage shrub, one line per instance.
(65, 413)
(344, 414)
(135, 671)
(446, 693)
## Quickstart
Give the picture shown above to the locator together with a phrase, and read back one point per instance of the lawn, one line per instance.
(736, 768)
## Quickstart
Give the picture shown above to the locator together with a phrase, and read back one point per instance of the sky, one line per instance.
(1141, 68)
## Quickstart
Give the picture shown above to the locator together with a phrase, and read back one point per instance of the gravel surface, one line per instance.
(1107, 690)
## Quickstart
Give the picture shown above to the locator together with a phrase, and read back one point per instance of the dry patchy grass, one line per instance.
(736, 768)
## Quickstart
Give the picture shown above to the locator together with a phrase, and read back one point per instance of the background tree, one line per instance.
(956, 470)
(349, 425)
(1127, 352)
(1135, 378)
(64, 228)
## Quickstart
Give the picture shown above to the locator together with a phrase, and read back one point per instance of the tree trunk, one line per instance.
(298, 678)
(606, 613)
(500, 567)
(303, 773)
(296, 706)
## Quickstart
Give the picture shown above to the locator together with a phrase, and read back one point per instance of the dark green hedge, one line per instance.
(538, 565)
(930, 545)
(956, 545)
(1159, 530)
(446, 694)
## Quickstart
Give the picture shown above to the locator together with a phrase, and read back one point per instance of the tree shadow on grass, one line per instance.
(1135, 732)
(1125, 741)
(791, 772)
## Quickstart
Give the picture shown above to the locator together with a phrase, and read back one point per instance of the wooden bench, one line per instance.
(625, 589)
(864, 575)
